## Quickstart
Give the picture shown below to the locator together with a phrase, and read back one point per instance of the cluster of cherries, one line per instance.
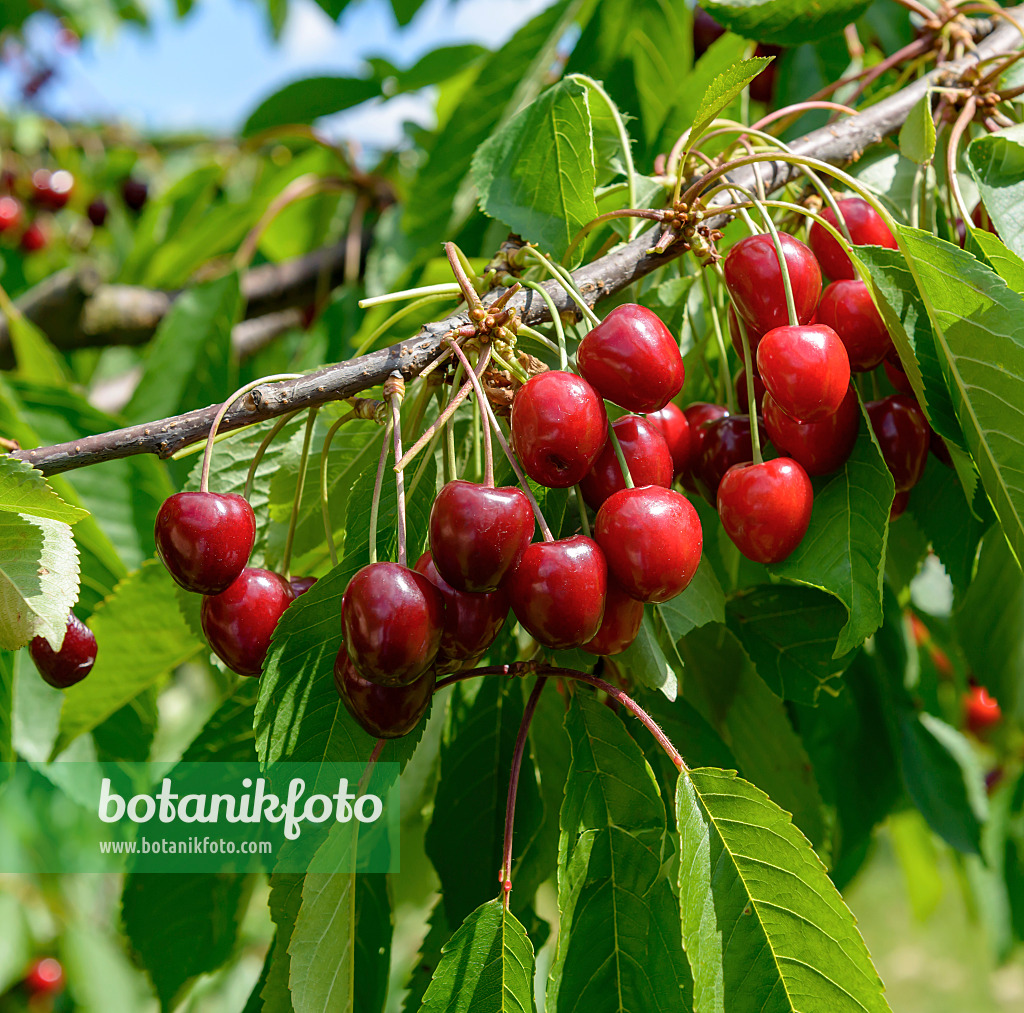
(404, 627)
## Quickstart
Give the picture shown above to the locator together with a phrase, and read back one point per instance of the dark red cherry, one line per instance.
(631, 359)
(558, 591)
(741, 389)
(726, 442)
(10, 213)
(866, 229)
(847, 308)
(981, 219)
(899, 504)
(897, 377)
(134, 193)
(44, 978)
(238, 622)
(73, 662)
(646, 454)
(674, 427)
(34, 238)
(818, 447)
(938, 447)
(762, 88)
(700, 415)
(652, 540)
(97, 211)
(806, 369)
(622, 617)
(385, 712)
(471, 621)
(902, 432)
(754, 335)
(205, 539)
(300, 585)
(393, 620)
(559, 426)
(477, 534)
(754, 280)
(59, 191)
(766, 508)
(981, 711)
(706, 30)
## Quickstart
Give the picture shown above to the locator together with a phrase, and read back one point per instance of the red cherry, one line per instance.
(762, 88)
(10, 213)
(981, 711)
(741, 389)
(726, 442)
(238, 622)
(765, 508)
(866, 229)
(471, 621)
(937, 445)
(97, 212)
(300, 585)
(41, 187)
(631, 359)
(393, 620)
(205, 539)
(45, 978)
(134, 193)
(706, 30)
(559, 426)
(806, 369)
(652, 540)
(61, 185)
(902, 433)
(755, 283)
(385, 712)
(897, 377)
(477, 534)
(899, 504)
(558, 591)
(34, 238)
(699, 415)
(646, 454)
(73, 662)
(754, 335)
(818, 447)
(622, 617)
(672, 423)
(981, 220)
(847, 308)
(921, 634)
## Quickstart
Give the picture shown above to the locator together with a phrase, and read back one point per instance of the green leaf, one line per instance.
(142, 637)
(917, 135)
(702, 602)
(307, 100)
(996, 162)
(790, 634)
(23, 490)
(285, 900)
(7, 754)
(843, 551)
(1004, 262)
(536, 174)
(723, 90)
(645, 660)
(38, 579)
(763, 926)
(486, 967)
(785, 22)
(228, 736)
(36, 358)
(432, 68)
(428, 959)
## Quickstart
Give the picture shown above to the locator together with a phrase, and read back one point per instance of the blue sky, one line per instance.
(211, 69)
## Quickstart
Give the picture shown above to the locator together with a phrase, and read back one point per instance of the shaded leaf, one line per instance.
(996, 162)
(785, 22)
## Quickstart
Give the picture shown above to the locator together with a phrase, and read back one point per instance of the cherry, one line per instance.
(238, 622)
(646, 454)
(937, 445)
(631, 359)
(981, 219)
(755, 283)
(899, 504)
(393, 620)
(558, 591)
(385, 712)
(34, 238)
(741, 389)
(902, 433)
(73, 662)
(866, 229)
(300, 585)
(205, 539)
(134, 193)
(477, 534)
(765, 508)
(847, 308)
(700, 415)
(706, 30)
(981, 711)
(471, 621)
(622, 617)
(818, 447)
(559, 426)
(897, 377)
(10, 213)
(44, 978)
(672, 423)
(97, 211)
(754, 335)
(652, 540)
(762, 88)
(805, 369)
(726, 442)
(52, 190)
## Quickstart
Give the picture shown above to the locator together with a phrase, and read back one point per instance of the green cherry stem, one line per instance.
(565, 279)
(377, 486)
(787, 284)
(262, 449)
(481, 397)
(448, 288)
(300, 484)
(394, 392)
(395, 317)
(724, 379)
(324, 498)
(620, 457)
(584, 519)
(563, 358)
(541, 339)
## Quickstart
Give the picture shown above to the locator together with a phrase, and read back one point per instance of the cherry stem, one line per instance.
(364, 779)
(469, 293)
(377, 486)
(952, 152)
(513, 787)
(204, 478)
(565, 279)
(394, 392)
(474, 379)
(395, 317)
(445, 288)
(796, 109)
(262, 449)
(556, 319)
(724, 379)
(538, 337)
(324, 498)
(510, 367)
(438, 423)
(787, 284)
(620, 456)
(584, 519)
(300, 484)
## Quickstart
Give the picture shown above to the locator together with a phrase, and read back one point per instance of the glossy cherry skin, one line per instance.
(300, 585)
(10, 213)
(477, 534)
(205, 539)
(674, 427)
(471, 621)
(558, 591)
(897, 377)
(742, 397)
(755, 283)
(899, 504)
(981, 711)
(902, 432)
(34, 238)
(73, 662)
(44, 978)
(646, 454)
(238, 622)
(806, 369)
(726, 442)
(652, 540)
(818, 447)
(766, 508)
(622, 617)
(847, 308)
(754, 335)
(866, 229)
(700, 415)
(97, 212)
(559, 426)
(385, 712)
(631, 359)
